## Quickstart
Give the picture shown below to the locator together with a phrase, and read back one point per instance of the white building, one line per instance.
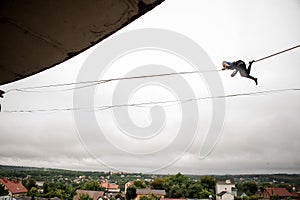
(224, 196)
(225, 190)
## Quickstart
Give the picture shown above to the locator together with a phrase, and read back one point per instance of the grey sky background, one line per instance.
(260, 133)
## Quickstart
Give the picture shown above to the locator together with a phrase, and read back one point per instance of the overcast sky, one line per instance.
(260, 134)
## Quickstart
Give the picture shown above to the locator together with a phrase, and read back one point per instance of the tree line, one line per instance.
(59, 189)
(180, 186)
(177, 186)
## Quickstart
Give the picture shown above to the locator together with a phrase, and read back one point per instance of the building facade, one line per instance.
(225, 190)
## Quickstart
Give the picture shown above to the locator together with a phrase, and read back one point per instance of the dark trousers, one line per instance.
(244, 71)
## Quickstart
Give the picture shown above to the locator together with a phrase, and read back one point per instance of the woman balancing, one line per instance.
(239, 66)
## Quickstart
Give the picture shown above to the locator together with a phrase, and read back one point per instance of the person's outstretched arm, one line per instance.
(234, 73)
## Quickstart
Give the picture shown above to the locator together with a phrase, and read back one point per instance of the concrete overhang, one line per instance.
(36, 34)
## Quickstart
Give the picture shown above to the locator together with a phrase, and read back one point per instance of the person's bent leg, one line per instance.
(251, 77)
(249, 67)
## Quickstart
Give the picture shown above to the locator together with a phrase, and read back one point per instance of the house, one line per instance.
(224, 196)
(227, 186)
(40, 185)
(6, 197)
(15, 188)
(225, 190)
(148, 192)
(110, 187)
(282, 193)
(95, 195)
(296, 195)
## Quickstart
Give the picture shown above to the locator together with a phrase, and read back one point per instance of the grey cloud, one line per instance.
(260, 134)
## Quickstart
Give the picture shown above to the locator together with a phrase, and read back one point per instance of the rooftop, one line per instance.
(225, 182)
(108, 185)
(15, 187)
(149, 191)
(281, 192)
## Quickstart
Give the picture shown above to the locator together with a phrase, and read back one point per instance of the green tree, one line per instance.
(194, 189)
(150, 197)
(85, 196)
(167, 185)
(29, 183)
(60, 185)
(157, 184)
(179, 178)
(33, 192)
(60, 194)
(177, 186)
(131, 192)
(206, 193)
(92, 185)
(48, 187)
(3, 191)
(176, 191)
(208, 182)
(250, 187)
(71, 192)
(139, 184)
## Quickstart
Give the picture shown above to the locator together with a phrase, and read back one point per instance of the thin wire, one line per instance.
(144, 104)
(31, 89)
(92, 83)
(46, 91)
(289, 49)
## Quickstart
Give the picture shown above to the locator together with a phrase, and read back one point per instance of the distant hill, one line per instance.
(42, 173)
(19, 172)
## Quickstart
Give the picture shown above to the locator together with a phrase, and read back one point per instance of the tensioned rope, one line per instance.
(85, 84)
(92, 83)
(275, 54)
(178, 101)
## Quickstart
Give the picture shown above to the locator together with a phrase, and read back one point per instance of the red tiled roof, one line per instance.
(107, 185)
(15, 187)
(296, 194)
(281, 192)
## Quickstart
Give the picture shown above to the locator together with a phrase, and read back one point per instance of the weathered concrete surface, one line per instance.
(36, 34)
